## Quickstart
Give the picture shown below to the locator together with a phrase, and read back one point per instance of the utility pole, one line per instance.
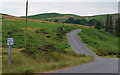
(26, 23)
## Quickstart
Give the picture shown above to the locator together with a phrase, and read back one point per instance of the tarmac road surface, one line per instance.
(100, 65)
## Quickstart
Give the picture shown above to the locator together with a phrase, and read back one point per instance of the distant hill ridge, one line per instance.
(63, 17)
(49, 15)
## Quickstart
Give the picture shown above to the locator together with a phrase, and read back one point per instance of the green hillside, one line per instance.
(46, 45)
(41, 29)
(48, 15)
(101, 42)
(102, 18)
(81, 20)
(63, 17)
(54, 16)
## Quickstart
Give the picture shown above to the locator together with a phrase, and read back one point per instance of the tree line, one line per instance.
(92, 22)
(81, 21)
(111, 27)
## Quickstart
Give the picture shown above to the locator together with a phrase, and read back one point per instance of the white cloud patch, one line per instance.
(79, 8)
(61, 0)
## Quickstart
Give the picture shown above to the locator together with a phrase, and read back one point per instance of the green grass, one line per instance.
(102, 18)
(52, 16)
(100, 41)
(0, 61)
(17, 29)
(22, 63)
(111, 56)
(59, 20)
(38, 62)
(48, 15)
(41, 62)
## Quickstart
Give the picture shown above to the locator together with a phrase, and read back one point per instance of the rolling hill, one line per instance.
(47, 44)
(45, 47)
(66, 16)
(102, 18)
(49, 15)
(100, 41)
(56, 17)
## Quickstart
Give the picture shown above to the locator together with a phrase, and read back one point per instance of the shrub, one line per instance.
(41, 31)
(29, 50)
(41, 49)
(29, 71)
(105, 52)
(61, 50)
(78, 55)
(47, 35)
(49, 47)
(62, 30)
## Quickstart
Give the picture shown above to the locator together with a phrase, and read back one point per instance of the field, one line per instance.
(101, 42)
(48, 15)
(22, 63)
(54, 17)
(16, 29)
(62, 17)
(45, 50)
(47, 46)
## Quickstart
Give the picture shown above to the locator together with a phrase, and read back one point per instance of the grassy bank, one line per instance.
(47, 47)
(38, 33)
(22, 63)
(101, 42)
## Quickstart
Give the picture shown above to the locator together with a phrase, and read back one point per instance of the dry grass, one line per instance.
(7, 17)
(25, 64)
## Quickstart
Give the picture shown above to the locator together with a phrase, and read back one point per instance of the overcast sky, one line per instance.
(68, 7)
(60, 0)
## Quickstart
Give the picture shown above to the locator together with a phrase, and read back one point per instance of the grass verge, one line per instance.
(43, 63)
(101, 42)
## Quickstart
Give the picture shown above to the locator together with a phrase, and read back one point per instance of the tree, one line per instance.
(77, 21)
(56, 20)
(92, 22)
(83, 22)
(69, 20)
(117, 28)
(111, 25)
(98, 25)
(107, 23)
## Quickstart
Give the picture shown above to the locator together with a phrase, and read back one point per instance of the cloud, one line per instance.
(79, 8)
(13, 8)
(61, 0)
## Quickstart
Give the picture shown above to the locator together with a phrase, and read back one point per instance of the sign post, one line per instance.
(10, 42)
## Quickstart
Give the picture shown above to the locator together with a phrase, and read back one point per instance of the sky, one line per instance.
(82, 8)
(60, 0)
